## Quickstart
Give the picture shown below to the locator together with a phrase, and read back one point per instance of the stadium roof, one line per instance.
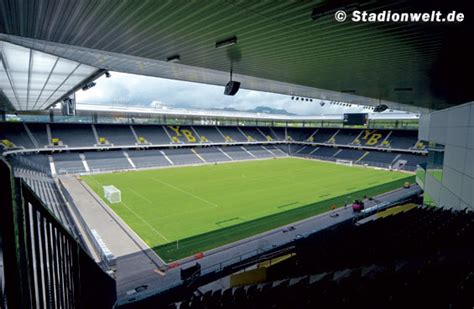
(280, 48)
(34, 80)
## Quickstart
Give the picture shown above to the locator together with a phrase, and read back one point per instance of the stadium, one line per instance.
(236, 154)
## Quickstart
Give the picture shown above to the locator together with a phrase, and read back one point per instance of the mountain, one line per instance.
(270, 110)
(258, 109)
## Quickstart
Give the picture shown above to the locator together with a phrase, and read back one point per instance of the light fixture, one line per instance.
(87, 86)
(380, 108)
(227, 42)
(174, 58)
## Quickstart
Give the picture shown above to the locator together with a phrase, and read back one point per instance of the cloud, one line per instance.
(130, 89)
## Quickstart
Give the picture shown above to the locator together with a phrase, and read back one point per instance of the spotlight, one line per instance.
(107, 74)
(292, 98)
(380, 108)
(88, 86)
(227, 42)
(174, 58)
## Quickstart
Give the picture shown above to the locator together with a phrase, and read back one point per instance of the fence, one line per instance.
(363, 163)
(44, 266)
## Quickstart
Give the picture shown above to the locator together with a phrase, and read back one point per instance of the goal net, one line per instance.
(344, 162)
(112, 194)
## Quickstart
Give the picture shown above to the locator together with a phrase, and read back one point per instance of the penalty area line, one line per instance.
(145, 222)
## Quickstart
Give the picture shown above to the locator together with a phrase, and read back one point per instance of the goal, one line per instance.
(344, 162)
(112, 194)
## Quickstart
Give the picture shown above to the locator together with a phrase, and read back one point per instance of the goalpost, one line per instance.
(112, 194)
(344, 162)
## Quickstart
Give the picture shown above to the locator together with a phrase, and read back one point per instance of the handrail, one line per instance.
(44, 264)
(186, 145)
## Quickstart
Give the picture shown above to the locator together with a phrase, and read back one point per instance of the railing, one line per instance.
(361, 163)
(44, 266)
(137, 115)
(208, 274)
(22, 161)
(404, 196)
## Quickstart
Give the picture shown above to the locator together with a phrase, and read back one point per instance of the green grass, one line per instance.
(211, 205)
(437, 174)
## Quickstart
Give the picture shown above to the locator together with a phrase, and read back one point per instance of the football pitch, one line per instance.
(186, 210)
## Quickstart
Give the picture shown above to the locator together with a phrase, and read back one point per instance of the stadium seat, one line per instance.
(411, 261)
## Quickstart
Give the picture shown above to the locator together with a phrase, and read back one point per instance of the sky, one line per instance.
(130, 89)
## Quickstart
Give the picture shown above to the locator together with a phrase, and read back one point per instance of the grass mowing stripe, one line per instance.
(185, 192)
(199, 243)
(180, 200)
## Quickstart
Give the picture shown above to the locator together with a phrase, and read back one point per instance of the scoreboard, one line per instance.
(355, 119)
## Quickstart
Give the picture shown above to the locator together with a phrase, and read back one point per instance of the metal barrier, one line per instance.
(362, 163)
(24, 161)
(44, 266)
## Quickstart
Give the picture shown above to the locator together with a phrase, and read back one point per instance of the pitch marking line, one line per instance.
(141, 195)
(137, 215)
(186, 192)
(145, 222)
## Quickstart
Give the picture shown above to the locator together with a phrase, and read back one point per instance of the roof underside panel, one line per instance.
(32, 80)
(159, 68)
(422, 64)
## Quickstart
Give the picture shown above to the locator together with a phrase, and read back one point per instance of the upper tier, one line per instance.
(28, 136)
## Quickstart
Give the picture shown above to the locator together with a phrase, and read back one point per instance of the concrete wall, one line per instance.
(454, 128)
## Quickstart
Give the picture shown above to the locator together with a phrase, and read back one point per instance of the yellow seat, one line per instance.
(7, 143)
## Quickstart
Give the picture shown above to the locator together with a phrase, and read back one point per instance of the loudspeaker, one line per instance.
(231, 88)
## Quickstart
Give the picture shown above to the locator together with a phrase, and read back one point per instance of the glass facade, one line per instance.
(434, 168)
(144, 118)
(434, 165)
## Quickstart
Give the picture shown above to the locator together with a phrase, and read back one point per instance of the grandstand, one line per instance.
(80, 145)
(352, 188)
(81, 153)
(398, 268)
